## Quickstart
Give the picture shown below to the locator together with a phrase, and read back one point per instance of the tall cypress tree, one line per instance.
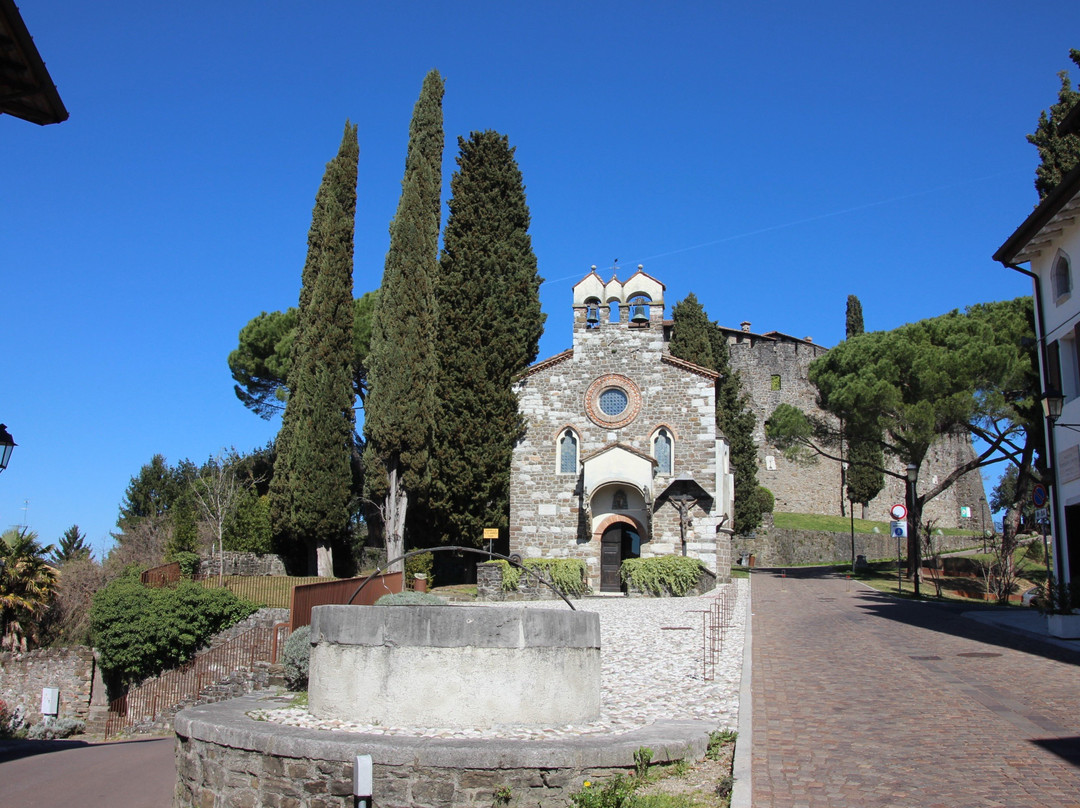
(399, 415)
(490, 326)
(697, 340)
(1059, 154)
(309, 493)
(864, 476)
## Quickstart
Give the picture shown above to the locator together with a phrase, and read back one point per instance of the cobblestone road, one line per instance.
(863, 700)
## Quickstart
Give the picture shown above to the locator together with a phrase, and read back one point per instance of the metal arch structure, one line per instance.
(488, 553)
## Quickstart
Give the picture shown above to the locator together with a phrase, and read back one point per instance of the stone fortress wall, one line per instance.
(773, 368)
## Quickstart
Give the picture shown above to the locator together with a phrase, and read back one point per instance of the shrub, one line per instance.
(60, 728)
(139, 631)
(296, 657)
(189, 563)
(618, 792)
(421, 564)
(567, 574)
(409, 598)
(662, 574)
(1034, 551)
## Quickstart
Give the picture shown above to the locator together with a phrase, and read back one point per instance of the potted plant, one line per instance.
(1060, 607)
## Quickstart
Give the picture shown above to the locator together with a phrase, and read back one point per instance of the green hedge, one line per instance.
(661, 575)
(567, 574)
(140, 631)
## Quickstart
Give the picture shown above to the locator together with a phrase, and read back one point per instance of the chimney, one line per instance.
(745, 326)
(808, 339)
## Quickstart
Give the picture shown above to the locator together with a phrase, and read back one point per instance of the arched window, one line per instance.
(613, 311)
(1061, 277)
(663, 447)
(568, 452)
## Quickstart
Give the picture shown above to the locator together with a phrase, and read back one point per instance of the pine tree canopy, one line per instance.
(1058, 154)
(490, 326)
(310, 491)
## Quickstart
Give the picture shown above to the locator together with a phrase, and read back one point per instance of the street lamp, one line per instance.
(7, 443)
(914, 554)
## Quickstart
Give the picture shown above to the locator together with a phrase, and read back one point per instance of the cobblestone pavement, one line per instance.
(651, 668)
(860, 699)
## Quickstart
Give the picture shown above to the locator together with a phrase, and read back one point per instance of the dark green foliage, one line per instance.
(568, 575)
(1058, 154)
(248, 530)
(692, 334)
(296, 658)
(864, 477)
(140, 631)
(150, 494)
(734, 419)
(421, 564)
(72, 545)
(260, 364)
(189, 563)
(490, 325)
(662, 575)
(403, 367)
(310, 491)
(854, 320)
(27, 585)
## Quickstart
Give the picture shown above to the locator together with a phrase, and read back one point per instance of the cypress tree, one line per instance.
(864, 476)
(310, 490)
(697, 340)
(399, 414)
(1059, 154)
(490, 325)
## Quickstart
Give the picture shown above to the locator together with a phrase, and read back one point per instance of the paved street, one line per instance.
(131, 774)
(863, 700)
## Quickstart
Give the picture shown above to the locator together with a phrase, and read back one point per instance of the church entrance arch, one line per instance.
(620, 539)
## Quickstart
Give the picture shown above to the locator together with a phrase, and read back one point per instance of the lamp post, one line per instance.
(7, 443)
(1053, 402)
(982, 520)
(914, 554)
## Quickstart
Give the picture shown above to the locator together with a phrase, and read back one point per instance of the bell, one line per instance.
(592, 315)
(638, 314)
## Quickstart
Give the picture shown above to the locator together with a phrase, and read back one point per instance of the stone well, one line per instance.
(454, 666)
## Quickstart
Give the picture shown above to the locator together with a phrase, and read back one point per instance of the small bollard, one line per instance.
(362, 782)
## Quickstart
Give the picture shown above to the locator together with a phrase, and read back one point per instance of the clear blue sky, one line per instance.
(772, 159)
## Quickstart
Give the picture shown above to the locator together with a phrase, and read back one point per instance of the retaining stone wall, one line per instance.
(489, 586)
(72, 670)
(237, 563)
(778, 548)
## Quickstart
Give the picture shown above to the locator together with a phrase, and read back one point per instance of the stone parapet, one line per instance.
(778, 547)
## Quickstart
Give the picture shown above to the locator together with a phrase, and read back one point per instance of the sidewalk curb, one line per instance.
(742, 792)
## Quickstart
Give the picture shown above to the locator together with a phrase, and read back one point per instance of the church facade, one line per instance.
(620, 457)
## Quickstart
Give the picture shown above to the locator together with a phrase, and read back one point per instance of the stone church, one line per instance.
(620, 457)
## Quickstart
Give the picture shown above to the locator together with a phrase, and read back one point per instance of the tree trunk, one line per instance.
(394, 508)
(865, 511)
(324, 560)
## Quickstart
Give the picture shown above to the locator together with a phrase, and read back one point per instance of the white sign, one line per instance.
(965, 512)
(1042, 516)
(898, 530)
(898, 512)
(50, 701)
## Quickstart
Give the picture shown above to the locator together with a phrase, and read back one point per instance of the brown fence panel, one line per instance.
(308, 596)
(274, 591)
(165, 575)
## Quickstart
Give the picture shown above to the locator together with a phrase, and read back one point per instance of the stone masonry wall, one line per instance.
(815, 487)
(72, 670)
(547, 516)
(776, 547)
(237, 563)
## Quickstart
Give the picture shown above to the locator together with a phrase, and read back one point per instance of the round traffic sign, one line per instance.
(1038, 495)
(898, 512)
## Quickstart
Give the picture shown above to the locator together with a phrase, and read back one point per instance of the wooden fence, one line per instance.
(274, 591)
(305, 597)
(185, 685)
(165, 575)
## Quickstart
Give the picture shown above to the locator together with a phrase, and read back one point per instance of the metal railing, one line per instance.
(184, 685)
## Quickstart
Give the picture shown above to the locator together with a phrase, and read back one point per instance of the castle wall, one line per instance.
(815, 487)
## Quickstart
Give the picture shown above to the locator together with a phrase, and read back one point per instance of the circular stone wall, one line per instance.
(454, 666)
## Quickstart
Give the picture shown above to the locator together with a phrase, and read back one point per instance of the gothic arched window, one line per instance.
(663, 447)
(1061, 277)
(568, 452)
